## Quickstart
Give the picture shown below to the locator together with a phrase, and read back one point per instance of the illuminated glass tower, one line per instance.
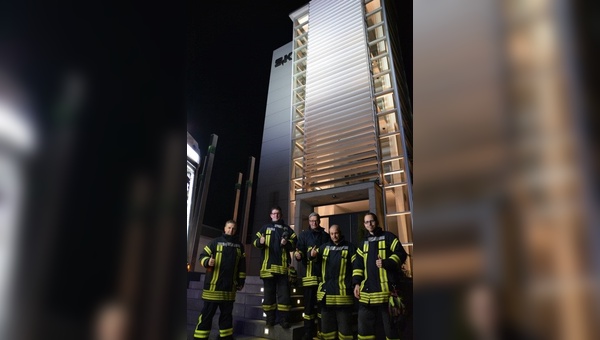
(337, 135)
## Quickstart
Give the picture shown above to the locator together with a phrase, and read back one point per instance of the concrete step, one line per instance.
(245, 311)
(252, 329)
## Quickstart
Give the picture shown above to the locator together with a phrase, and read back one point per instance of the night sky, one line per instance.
(229, 51)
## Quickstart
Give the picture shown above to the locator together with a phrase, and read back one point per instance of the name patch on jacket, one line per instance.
(376, 238)
(336, 248)
(275, 226)
(228, 244)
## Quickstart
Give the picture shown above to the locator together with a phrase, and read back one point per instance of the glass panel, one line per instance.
(382, 83)
(393, 165)
(298, 129)
(302, 19)
(380, 65)
(299, 95)
(401, 226)
(399, 176)
(299, 98)
(298, 112)
(301, 53)
(374, 19)
(388, 123)
(391, 146)
(301, 41)
(377, 48)
(376, 33)
(298, 148)
(297, 168)
(385, 102)
(300, 80)
(302, 29)
(396, 199)
(300, 66)
(372, 5)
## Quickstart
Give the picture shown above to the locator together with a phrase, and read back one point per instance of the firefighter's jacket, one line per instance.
(275, 258)
(377, 283)
(306, 240)
(229, 272)
(336, 270)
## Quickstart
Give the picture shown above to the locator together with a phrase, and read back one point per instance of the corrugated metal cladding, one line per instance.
(340, 141)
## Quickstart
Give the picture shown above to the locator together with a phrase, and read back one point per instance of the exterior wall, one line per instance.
(272, 186)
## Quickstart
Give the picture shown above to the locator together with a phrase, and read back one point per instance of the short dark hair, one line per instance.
(275, 207)
(373, 215)
(231, 221)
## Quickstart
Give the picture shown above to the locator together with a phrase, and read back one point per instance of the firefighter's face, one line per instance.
(335, 234)
(275, 215)
(370, 223)
(230, 229)
(313, 221)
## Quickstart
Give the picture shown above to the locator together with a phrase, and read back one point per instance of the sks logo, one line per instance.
(282, 60)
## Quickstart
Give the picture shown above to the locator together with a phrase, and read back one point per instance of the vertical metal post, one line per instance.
(247, 200)
(238, 189)
(195, 232)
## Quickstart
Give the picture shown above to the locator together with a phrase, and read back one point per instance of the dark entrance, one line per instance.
(350, 225)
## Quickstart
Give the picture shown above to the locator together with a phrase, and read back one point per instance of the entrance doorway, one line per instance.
(350, 225)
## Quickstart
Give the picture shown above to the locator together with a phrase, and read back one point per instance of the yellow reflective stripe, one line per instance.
(225, 332)
(392, 338)
(396, 258)
(328, 336)
(310, 281)
(284, 308)
(345, 337)
(394, 244)
(218, 295)
(353, 258)
(339, 299)
(357, 272)
(201, 334)
(242, 275)
(366, 337)
(342, 273)
(382, 272)
(374, 298)
(267, 308)
(263, 269)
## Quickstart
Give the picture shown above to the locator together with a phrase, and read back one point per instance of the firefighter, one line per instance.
(315, 236)
(335, 292)
(225, 263)
(377, 273)
(276, 240)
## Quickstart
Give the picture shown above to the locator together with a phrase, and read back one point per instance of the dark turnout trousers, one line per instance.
(371, 315)
(276, 297)
(336, 322)
(225, 319)
(310, 309)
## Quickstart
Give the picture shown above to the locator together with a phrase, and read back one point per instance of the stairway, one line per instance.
(248, 318)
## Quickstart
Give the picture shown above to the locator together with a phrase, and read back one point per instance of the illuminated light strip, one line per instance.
(192, 154)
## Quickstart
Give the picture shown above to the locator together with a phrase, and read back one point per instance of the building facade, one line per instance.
(337, 134)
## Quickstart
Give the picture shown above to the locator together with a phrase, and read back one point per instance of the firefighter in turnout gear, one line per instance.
(276, 240)
(225, 262)
(315, 236)
(335, 292)
(377, 273)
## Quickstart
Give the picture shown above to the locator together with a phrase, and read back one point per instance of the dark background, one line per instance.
(229, 52)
